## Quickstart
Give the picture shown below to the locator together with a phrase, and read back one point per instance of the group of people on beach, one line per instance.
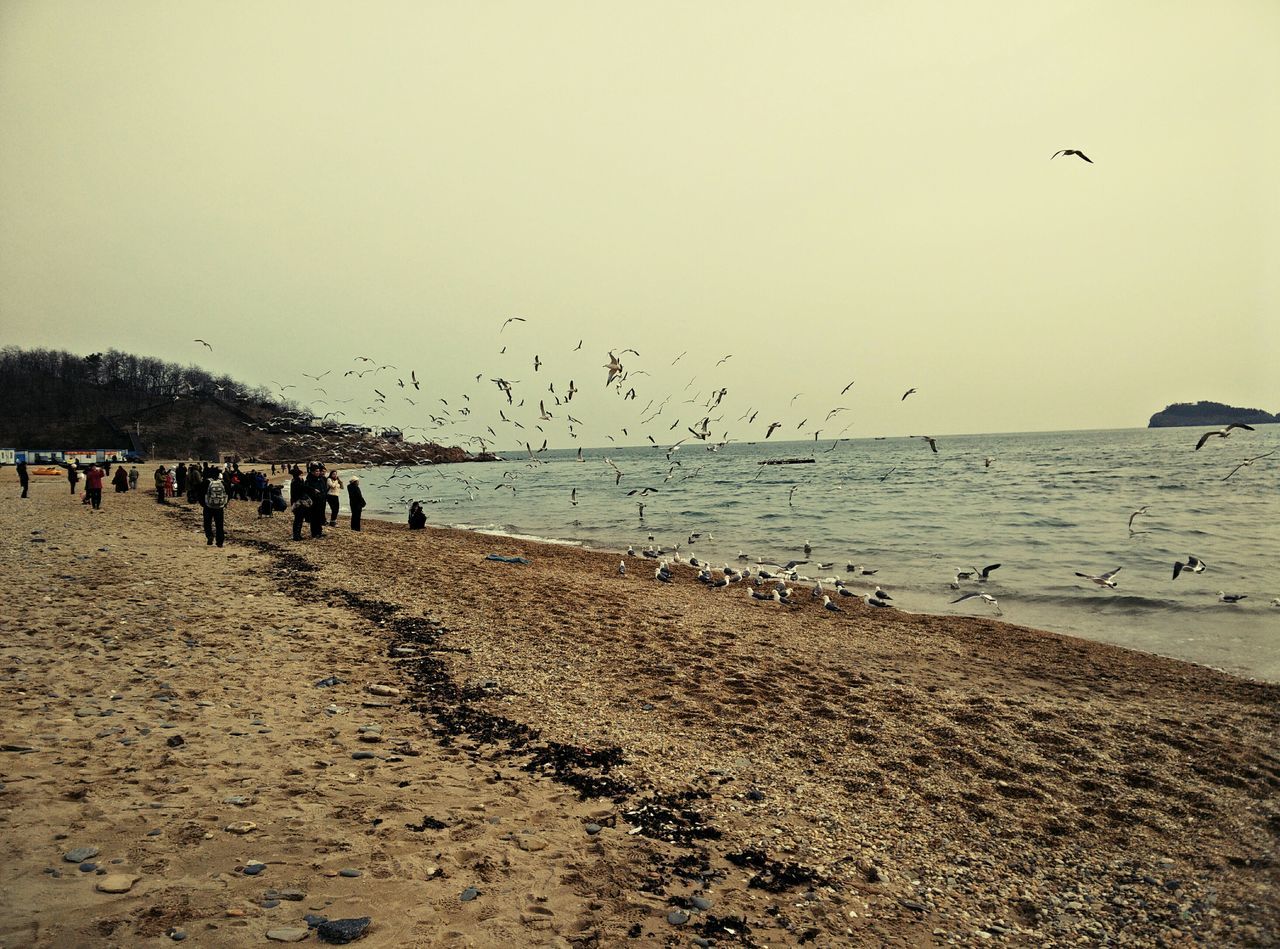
(319, 494)
(314, 497)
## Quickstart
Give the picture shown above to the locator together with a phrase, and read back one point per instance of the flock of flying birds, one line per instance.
(698, 416)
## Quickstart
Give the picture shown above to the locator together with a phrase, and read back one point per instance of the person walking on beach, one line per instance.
(133, 478)
(73, 475)
(214, 503)
(161, 477)
(93, 486)
(334, 492)
(24, 479)
(120, 481)
(355, 500)
(180, 479)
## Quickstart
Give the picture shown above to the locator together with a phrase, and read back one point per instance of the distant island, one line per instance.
(1208, 413)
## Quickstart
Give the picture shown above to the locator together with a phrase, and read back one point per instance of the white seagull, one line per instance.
(828, 605)
(1103, 579)
(983, 596)
(1193, 564)
(1222, 433)
(1231, 597)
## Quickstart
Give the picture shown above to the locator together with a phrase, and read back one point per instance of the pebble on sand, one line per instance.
(80, 854)
(241, 827)
(342, 931)
(288, 934)
(116, 883)
(378, 688)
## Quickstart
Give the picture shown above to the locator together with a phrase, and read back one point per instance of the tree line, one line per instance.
(48, 383)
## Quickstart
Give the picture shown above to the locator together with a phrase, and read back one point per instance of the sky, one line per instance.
(824, 192)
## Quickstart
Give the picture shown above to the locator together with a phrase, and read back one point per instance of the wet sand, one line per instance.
(615, 761)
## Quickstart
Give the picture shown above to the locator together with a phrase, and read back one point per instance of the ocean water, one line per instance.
(1048, 504)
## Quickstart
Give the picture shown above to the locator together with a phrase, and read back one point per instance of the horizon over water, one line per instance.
(1051, 503)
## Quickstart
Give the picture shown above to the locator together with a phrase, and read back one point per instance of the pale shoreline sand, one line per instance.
(922, 778)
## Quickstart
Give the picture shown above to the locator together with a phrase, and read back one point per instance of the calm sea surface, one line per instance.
(1048, 504)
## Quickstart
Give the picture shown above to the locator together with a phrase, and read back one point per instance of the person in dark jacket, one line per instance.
(73, 475)
(24, 479)
(121, 480)
(195, 485)
(180, 478)
(317, 491)
(417, 517)
(299, 502)
(355, 500)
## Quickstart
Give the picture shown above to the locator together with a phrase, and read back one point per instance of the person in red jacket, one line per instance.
(93, 486)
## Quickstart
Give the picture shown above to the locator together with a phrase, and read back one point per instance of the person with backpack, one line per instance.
(215, 506)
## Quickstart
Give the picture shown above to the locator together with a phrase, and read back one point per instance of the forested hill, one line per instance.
(57, 400)
(1208, 413)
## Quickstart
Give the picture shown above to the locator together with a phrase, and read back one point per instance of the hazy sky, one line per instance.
(827, 191)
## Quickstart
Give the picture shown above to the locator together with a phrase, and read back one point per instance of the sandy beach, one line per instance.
(471, 752)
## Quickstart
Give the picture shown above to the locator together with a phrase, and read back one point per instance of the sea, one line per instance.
(1042, 505)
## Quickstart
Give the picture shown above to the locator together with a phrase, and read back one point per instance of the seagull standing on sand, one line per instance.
(829, 606)
(1231, 597)
(1222, 433)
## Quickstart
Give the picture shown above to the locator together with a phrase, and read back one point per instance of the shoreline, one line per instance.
(641, 562)
(903, 778)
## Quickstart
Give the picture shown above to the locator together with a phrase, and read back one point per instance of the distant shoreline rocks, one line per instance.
(1208, 413)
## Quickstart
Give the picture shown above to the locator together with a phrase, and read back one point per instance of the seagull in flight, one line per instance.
(614, 365)
(513, 319)
(1071, 151)
(1103, 579)
(847, 388)
(905, 394)
(203, 343)
(982, 596)
(725, 360)
(932, 442)
(1248, 461)
(1221, 433)
(772, 426)
(1193, 564)
(1138, 513)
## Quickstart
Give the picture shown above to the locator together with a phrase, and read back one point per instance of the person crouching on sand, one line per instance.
(417, 517)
